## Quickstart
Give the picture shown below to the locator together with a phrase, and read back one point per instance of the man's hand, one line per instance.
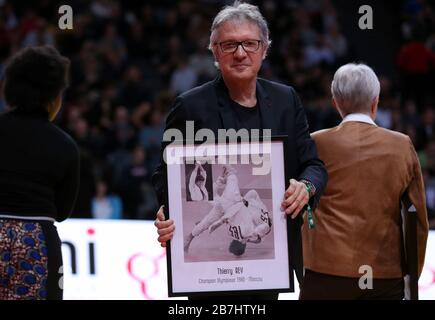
(295, 198)
(165, 229)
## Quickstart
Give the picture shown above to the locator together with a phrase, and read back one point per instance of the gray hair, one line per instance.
(240, 11)
(355, 87)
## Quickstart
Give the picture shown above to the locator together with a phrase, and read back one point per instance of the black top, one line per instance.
(39, 167)
(247, 117)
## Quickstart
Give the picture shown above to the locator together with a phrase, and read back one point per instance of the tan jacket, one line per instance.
(358, 217)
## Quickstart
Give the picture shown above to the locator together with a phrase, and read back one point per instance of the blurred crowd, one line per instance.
(131, 58)
(408, 101)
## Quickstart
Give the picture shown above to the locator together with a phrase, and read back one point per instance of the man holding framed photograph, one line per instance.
(238, 99)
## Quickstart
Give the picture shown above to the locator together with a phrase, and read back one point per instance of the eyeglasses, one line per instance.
(232, 46)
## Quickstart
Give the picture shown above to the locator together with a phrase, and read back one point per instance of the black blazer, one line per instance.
(281, 111)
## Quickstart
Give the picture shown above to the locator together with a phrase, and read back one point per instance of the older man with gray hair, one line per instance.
(358, 218)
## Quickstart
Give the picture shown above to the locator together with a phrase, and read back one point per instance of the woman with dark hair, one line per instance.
(39, 175)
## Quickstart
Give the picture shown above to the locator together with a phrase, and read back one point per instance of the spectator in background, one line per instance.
(416, 63)
(149, 138)
(81, 134)
(133, 91)
(122, 133)
(202, 62)
(113, 42)
(131, 182)
(386, 101)
(183, 78)
(337, 42)
(319, 53)
(40, 35)
(106, 205)
(426, 130)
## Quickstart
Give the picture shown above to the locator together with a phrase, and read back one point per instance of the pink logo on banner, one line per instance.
(154, 273)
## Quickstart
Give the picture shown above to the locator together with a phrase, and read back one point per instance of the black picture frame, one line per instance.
(259, 269)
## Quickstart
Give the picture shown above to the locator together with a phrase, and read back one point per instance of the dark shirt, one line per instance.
(39, 167)
(247, 118)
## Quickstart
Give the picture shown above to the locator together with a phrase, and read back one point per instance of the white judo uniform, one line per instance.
(198, 192)
(247, 217)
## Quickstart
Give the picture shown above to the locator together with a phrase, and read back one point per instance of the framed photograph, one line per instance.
(231, 235)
